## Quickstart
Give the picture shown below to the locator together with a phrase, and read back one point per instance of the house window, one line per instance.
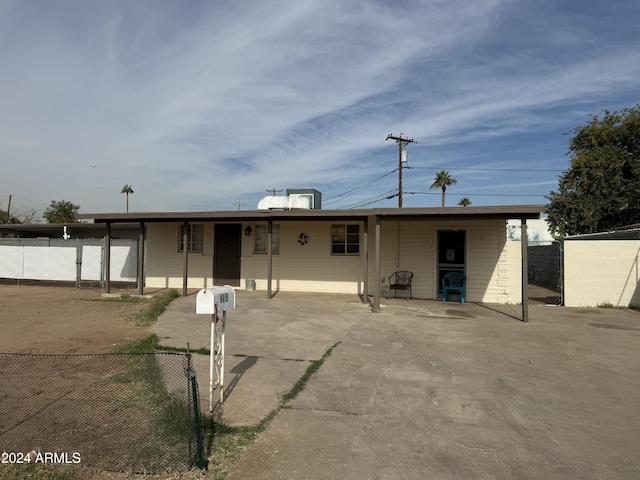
(345, 239)
(260, 244)
(195, 237)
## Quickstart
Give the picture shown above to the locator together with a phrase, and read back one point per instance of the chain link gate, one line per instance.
(544, 272)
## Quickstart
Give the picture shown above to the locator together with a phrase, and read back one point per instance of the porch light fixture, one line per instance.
(247, 232)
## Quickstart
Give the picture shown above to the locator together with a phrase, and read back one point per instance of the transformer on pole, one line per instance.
(402, 158)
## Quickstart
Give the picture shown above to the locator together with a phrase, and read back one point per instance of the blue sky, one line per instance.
(201, 105)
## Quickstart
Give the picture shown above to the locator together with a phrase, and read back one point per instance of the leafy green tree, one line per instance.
(127, 189)
(601, 189)
(61, 212)
(443, 180)
(464, 202)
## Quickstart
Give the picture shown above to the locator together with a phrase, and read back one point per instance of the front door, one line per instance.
(226, 254)
(451, 254)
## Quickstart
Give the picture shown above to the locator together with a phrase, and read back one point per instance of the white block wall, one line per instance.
(511, 268)
(57, 262)
(411, 245)
(601, 271)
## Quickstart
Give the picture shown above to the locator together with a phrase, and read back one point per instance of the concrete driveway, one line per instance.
(425, 389)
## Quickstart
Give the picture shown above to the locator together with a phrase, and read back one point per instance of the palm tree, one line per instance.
(464, 202)
(127, 189)
(443, 180)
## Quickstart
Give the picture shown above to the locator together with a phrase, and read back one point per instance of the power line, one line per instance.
(491, 169)
(483, 194)
(359, 188)
(393, 193)
(29, 200)
(384, 196)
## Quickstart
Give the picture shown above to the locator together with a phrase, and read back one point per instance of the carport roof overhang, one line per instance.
(427, 213)
(435, 214)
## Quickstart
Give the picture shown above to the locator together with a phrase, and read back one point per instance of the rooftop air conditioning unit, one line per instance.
(298, 199)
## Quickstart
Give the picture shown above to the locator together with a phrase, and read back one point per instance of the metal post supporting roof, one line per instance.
(269, 257)
(107, 258)
(376, 288)
(141, 238)
(185, 258)
(525, 269)
(365, 256)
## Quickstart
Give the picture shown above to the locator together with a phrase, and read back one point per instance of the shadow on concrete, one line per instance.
(506, 314)
(239, 371)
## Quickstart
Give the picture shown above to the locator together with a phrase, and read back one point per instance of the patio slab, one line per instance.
(428, 389)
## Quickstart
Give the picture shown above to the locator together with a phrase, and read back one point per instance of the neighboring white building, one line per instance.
(603, 268)
(537, 230)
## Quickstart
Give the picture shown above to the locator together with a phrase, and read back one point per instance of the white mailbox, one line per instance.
(207, 299)
(224, 298)
(213, 301)
(205, 302)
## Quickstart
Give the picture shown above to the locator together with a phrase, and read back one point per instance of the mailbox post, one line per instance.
(211, 302)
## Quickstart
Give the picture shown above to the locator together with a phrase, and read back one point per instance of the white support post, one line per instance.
(216, 359)
(212, 360)
(223, 332)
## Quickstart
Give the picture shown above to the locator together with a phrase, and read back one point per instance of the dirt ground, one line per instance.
(61, 319)
(66, 320)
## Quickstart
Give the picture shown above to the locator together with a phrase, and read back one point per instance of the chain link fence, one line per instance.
(115, 412)
(75, 260)
(545, 260)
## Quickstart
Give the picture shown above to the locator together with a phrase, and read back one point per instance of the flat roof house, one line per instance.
(341, 251)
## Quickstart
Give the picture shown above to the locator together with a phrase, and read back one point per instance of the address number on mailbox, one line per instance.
(222, 297)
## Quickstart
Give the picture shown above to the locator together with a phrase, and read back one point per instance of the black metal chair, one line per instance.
(401, 280)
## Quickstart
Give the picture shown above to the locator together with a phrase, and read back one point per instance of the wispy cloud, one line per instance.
(204, 105)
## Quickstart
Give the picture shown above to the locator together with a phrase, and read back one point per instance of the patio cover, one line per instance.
(374, 215)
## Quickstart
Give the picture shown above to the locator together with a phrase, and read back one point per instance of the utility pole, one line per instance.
(401, 143)
(9, 210)
(274, 191)
(239, 204)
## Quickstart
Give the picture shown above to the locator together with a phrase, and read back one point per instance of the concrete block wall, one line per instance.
(485, 248)
(511, 268)
(601, 271)
(412, 245)
(417, 246)
(404, 246)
